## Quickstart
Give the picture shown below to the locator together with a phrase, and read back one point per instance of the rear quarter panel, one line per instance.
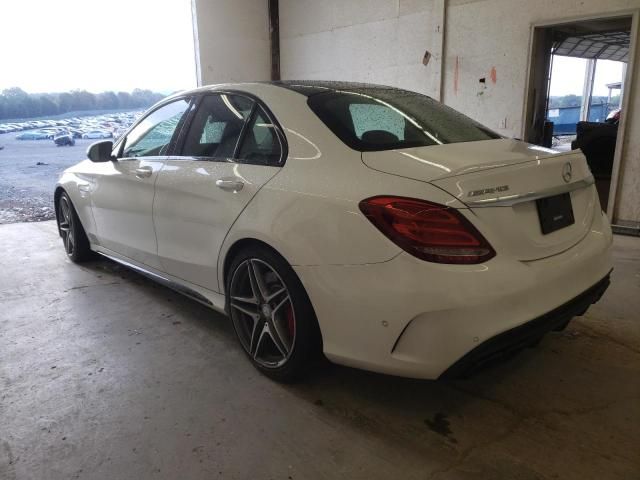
(309, 211)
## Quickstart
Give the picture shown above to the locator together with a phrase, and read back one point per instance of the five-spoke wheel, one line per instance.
(271, 313)
(74, 238)
(65, 224)
(262, 312)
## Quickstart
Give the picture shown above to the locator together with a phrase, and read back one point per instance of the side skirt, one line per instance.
(212, 300)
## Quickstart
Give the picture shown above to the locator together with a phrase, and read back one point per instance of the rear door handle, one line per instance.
(144, 172)
(229, 184)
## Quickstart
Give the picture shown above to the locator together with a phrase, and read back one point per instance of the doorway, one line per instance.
(577, 83)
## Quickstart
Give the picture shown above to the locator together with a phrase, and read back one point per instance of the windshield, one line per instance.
(377, 118)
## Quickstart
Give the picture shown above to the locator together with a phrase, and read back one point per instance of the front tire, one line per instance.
(271, 314)
(74, 238)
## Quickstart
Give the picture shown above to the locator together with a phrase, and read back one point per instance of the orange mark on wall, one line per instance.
(493, 75)
(455, 77)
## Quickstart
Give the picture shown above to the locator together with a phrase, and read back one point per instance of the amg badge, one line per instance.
(485, 191)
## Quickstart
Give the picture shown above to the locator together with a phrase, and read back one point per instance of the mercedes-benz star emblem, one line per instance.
(566, 172)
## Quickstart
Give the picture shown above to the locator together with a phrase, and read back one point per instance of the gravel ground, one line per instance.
(29, 170)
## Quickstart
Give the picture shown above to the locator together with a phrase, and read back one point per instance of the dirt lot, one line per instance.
(28, 173)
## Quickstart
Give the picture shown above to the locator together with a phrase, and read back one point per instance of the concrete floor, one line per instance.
(106, 375)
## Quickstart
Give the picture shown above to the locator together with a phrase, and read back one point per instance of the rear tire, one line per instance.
(74, 238)
(272, 314)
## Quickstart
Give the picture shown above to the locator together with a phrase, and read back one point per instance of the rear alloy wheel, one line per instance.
(74, 238)
(271, 314)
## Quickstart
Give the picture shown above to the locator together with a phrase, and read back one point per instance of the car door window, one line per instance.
(216, 126)
(260, 144)
(153, 135)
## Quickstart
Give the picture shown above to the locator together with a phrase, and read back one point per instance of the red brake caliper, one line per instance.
(291, 323)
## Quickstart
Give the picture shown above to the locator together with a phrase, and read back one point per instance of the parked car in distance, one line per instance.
(75, 132)
(370, 223)
(52, 132)
(64, 139)
(33, 135)
(97, 134)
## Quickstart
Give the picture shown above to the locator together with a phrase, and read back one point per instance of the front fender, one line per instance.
(78, 187)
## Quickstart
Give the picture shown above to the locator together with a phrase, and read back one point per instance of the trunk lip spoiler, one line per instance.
(510, 200)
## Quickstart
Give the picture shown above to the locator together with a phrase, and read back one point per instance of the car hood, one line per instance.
(443, 161)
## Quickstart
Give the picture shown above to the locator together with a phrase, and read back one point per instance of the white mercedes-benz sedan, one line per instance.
(371, 224)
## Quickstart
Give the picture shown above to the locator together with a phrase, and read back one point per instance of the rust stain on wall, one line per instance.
(493, 75)
(455, 76)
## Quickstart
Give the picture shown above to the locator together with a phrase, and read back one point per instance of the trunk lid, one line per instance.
(500, 181)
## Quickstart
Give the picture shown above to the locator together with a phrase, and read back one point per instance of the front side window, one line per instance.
(371, 119)
(216, 126)
(260, 144)
(152, 136)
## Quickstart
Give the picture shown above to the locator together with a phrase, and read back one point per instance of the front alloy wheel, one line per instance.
(74, 238)
(66, 224)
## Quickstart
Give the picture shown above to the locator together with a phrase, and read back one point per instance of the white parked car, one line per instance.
(97, 134)
(373, 224)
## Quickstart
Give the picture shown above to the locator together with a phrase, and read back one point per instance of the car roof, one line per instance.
(307, 88)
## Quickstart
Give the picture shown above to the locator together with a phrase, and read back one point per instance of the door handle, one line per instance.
(144, 172)
(231, 185)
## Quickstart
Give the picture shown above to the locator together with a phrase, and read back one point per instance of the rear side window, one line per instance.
(216, 126)
(151, 137)
(370, 119)
(260, 144)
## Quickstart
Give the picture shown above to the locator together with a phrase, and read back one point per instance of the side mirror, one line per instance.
(101, 151)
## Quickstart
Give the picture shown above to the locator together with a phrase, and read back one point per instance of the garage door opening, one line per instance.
(578, 79)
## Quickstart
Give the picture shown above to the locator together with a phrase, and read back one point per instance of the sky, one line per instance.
(96, 45)
(568, 75)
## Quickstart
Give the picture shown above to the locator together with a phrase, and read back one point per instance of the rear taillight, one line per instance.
(429, 231)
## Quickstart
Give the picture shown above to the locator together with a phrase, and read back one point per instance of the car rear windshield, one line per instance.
(373, 119)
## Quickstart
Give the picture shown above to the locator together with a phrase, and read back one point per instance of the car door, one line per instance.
(122, 200)
(231, 148)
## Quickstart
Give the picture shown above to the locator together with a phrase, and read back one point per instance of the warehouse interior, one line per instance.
(106, 374)
(486, 58)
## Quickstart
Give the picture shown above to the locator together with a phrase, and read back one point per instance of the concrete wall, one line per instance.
(231, 40)
(381, 41)
(384, 41)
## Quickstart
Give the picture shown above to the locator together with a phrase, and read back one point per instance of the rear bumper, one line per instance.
(418, 319)
(513, 340)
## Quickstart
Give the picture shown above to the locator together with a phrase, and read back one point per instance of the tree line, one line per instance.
(16, 103)
(576, 100)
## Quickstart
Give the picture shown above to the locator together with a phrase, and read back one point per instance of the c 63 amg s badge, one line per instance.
(485, 191)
